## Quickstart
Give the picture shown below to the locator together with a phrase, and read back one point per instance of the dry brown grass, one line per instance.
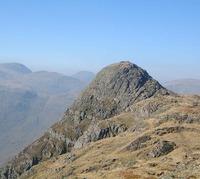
(108, 159)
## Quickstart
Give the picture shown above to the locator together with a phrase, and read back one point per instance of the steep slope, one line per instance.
(184, 86)
(30, 103)
(161, 141)
(113, 91)
(157, 137)
(161, 144)
(17, 101)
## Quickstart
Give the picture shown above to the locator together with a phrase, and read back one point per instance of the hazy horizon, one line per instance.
(67, 36)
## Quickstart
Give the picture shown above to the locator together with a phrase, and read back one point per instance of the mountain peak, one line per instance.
(115, 88)
(15, 67)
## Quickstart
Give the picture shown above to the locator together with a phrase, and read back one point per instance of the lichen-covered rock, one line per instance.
(162, 148)
(167, 130)
(95, 132)
(137, 144)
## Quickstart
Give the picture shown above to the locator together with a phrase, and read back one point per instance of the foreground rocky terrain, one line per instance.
(124, 125)
(30, 103)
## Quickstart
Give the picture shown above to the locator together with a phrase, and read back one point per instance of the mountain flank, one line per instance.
(11, 69)
(30, 103)
(123, 125)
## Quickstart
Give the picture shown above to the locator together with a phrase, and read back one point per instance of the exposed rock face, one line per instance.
(96, 132)
(137, 144)
(155, 144)
(113, 90)
(162, 148)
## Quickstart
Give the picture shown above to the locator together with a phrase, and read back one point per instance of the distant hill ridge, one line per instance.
(30, 103)
(184, 86)
(15, 67)
(84, 76)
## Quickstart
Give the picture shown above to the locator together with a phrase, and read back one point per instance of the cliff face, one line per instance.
(116, 89)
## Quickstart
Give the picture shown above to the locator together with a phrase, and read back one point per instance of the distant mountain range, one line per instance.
(31, 102)
(184, 86)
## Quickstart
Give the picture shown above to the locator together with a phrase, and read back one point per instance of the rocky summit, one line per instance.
(123, 125)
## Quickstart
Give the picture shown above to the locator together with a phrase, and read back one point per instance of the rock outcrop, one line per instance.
(147, 140)
(139, 143)
(162, 148)
(114, 90)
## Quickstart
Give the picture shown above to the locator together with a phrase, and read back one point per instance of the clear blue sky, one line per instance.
(161, 36)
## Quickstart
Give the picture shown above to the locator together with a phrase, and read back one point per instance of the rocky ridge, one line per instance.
(113, 90)
(118, 101)
(158, 146)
